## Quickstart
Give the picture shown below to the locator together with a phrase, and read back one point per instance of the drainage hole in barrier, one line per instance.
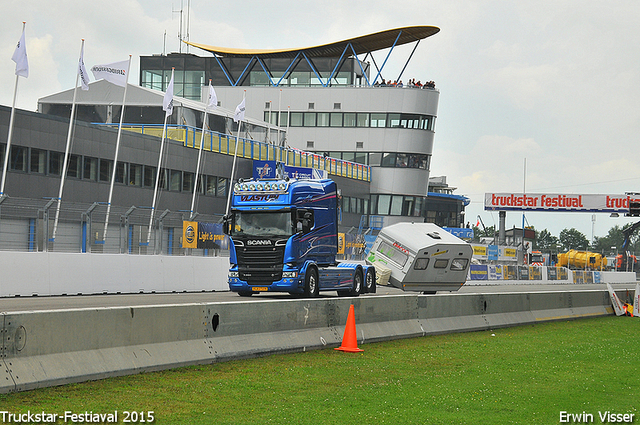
(215, 321)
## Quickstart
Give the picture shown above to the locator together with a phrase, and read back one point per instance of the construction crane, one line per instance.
(625, 259)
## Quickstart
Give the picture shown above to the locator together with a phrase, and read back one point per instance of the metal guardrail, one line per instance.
(27, 225)
(252, 149)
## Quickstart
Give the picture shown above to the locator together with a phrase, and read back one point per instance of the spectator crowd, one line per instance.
(412, 83)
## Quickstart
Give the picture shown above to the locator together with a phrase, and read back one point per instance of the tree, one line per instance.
(545, 241)
(488, 232)
(573, 239)
(614, 239)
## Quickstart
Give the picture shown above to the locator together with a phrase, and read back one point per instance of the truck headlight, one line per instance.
(288, 275)
(233, 274)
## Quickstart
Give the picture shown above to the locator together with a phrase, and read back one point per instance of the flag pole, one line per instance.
(8, 148)
(115, 160)
(66, 151)
(195, 184)
(155, 189)
(235, 156)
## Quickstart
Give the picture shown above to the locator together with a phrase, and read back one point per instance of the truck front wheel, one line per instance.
(311, 288)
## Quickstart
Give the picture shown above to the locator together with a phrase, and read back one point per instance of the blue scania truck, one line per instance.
(284, 238)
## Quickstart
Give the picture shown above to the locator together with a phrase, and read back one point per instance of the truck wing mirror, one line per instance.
(226, 225)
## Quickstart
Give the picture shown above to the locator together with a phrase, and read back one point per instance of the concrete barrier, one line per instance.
(58, 273)
(48, 348)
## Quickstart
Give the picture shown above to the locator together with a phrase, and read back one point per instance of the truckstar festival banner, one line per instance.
(558, 202)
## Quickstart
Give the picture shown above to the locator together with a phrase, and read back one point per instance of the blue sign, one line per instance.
(461, 232)
(492, 252)
(210, 236)
(267, 170)
(264, 170)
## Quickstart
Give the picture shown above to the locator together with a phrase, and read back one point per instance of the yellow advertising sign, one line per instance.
(190, 234)
(341, 243)
(479, 250)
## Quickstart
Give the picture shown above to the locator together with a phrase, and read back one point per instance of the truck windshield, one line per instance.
(251, 224)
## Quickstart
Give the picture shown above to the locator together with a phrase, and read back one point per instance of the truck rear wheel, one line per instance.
(311, 288)
(356, 289)
(370, 281)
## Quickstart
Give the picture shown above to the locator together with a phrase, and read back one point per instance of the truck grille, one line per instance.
(260, 264)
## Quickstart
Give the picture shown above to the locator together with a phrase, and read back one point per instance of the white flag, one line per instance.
(82, 71)
(20, 58)
(212, 101)
(167, 102)
(115, 73)
(239, 116)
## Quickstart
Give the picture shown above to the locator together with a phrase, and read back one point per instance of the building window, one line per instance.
(309, 119)
(396, 205)
(312, 105)
(135, 174)
(384, 202)
(90, 169)
(222, 187)
(323, 119)
(106, 168)
(210, 185)
(74, 169)
(310, 144)
(363, 119)
(378, 120)
(394, 120)
(175, 180)
(163, 179)
(337, 106)
(149, 177)
(350, 119)
(187, 182)
(38, 161)
(336, 119)
(121, 172)
(361, 158)
(296, 119)
(388, 160)
(55, 163)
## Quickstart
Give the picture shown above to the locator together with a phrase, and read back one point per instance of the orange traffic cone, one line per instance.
(349, 340)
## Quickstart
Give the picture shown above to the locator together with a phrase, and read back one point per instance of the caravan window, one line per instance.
(393, 253)
(459, 264)
(441, 263)
(421, 264)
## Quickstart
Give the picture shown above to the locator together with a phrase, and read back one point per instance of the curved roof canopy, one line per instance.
(363, 44)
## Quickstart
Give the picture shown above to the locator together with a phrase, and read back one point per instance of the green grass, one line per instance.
(522, 375)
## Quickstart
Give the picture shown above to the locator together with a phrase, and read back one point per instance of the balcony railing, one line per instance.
(252, 149)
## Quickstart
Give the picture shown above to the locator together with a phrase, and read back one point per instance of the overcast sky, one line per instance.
(553, 83)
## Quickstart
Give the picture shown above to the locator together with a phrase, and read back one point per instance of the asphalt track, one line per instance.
(70, 302)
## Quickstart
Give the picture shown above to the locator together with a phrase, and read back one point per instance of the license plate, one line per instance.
(259, 288)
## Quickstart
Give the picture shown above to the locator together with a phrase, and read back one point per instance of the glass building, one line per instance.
(332, 100)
